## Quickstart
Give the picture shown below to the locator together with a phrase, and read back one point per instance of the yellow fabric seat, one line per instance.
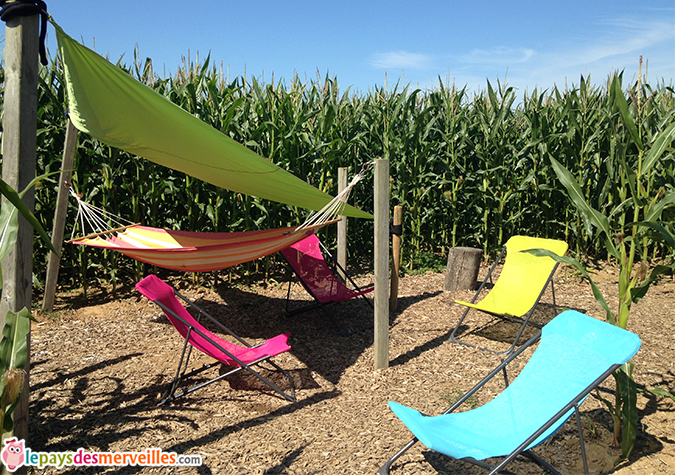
(521, 282)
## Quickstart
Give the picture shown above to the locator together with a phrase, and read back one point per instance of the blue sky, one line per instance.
(531, 44)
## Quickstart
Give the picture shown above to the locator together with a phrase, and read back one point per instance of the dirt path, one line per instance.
(99, 367)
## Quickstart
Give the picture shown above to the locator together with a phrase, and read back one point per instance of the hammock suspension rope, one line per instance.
(337, 205)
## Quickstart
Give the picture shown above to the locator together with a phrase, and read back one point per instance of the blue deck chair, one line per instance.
(576, 353)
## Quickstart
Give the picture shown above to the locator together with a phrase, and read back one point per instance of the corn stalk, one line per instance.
(633, 220)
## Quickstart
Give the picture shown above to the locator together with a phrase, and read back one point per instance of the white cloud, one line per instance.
(498, 56)
(627, 36)
(614, 45)
(400, 60)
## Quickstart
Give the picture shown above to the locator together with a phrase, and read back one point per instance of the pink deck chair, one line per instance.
(307, 260)
(239, 357)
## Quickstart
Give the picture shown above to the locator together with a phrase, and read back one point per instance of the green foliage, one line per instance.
(625, 228)
(13, 358)
(14, 343)
(9, 220)
(451, 398)
(469, 169)
(426, 261)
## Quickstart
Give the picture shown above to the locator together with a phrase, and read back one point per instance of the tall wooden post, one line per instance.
(18, 169)
(381, 249)
(60, 214)
(342, 224)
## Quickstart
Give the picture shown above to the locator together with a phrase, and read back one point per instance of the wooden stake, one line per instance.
(342, 225)
(60, 214)
(395, 259)
(18, 169)
(381, 238)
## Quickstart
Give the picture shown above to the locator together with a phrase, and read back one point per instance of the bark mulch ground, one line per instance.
(100, 365)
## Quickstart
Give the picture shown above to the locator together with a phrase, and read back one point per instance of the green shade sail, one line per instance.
(108, 104)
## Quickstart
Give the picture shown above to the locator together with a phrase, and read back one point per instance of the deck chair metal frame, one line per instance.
(348, 293)
(630, 345)
(181, 371)
(524, 318)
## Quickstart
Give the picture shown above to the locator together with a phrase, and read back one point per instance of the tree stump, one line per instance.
(461, 272)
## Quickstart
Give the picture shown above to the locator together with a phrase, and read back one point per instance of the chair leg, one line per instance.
(291, 397)
(522, 329)
(179, 376)
(288, 294)
(248, 368)
(288, 376)
(172, 395)
(488, 277)
(541, 462)
(384, 469)
(453, 338)
(581, 438)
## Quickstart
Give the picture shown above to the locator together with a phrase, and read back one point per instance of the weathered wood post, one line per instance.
(397, 231)
(18, 170)
(381, 250)
(461, 272)
(342, 225)
(60, 214)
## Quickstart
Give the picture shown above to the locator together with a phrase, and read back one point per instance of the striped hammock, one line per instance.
(197, 251)
(194, 251)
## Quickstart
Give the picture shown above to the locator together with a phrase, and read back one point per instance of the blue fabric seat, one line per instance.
(575, 354)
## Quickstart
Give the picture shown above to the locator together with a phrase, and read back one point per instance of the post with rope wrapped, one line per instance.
(22, 49)
(381, 250)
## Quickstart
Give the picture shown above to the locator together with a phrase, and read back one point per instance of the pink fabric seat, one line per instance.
(195, 334)
(309, 264)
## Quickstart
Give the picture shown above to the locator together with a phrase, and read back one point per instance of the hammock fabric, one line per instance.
(108, 104)
(196, 251)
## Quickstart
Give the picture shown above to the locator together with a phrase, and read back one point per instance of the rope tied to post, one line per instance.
(9, 10)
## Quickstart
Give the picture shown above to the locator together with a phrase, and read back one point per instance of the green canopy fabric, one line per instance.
(107, 103)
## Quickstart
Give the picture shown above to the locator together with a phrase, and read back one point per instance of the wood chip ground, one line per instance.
(100, 365)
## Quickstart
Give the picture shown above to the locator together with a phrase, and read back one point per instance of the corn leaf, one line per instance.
(661, 143)
(640, 291)
(659, 392)
(629, 415)
(622, 105)
(580, 267)
(595, 217)
(15, 198)
(656, 209)
(14, 345)
(665, 235)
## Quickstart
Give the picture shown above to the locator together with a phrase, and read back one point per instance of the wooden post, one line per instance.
(342, 224)
(381, 249)
(18, 169)
(60, 214)
(461, 272)
(395, 257)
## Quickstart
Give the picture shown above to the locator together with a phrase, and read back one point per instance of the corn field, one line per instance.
(469, 169)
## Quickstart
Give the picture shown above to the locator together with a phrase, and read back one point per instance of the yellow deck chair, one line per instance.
(520, 285)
